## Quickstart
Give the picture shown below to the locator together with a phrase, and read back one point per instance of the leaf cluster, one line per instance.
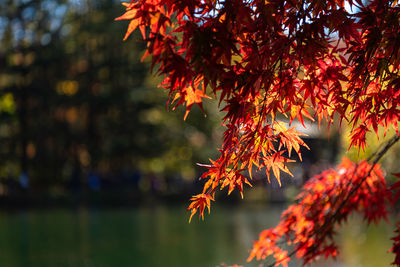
(269, 63)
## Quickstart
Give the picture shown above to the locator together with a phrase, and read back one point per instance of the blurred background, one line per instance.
(94, 169)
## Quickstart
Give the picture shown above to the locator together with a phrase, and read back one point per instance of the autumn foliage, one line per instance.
(310, 224)
(269, 63)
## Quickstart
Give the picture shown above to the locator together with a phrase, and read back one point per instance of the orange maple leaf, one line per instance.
(277, 163)
(130, 14)
(199, 202)
(191, 96)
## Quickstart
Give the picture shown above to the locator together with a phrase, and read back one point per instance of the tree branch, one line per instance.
(374, 160)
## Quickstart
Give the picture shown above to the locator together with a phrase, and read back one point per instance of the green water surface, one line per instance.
(160, 236)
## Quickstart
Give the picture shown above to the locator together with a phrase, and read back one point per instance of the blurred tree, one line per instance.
(27, 30)
(77, 104)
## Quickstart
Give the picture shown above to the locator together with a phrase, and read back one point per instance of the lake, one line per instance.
(160, 235)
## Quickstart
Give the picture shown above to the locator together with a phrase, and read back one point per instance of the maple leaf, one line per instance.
(199, 203)
(358, 137)
(191, 96)
(235, 180)
(291, 140)
(130, 14)
(277, 163)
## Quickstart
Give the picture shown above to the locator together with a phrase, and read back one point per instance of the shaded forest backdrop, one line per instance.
(79, 111)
